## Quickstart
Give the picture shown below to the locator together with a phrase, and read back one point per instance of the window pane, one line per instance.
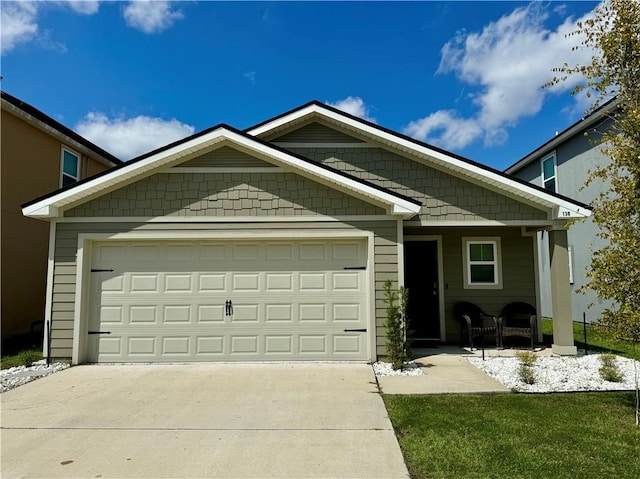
(487, 252)
(70, 164)
(475, 252)
(68, 180)
(548, 168)
(550, 185)
(481, 273)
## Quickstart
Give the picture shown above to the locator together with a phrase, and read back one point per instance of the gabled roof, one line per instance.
(562, 206)
(577, 128)
(52, 205)
(46, 123)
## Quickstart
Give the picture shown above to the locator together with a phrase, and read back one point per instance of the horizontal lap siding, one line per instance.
(65, 264)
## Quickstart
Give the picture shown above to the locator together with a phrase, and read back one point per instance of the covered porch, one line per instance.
(490, 266)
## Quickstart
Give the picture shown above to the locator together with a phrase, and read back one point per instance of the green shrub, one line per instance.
(29, 357)
(609, 370)
(396, 325)
(526, 374)
(527, 358)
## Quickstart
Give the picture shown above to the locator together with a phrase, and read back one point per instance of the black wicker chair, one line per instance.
(518, 319)
(472, 321)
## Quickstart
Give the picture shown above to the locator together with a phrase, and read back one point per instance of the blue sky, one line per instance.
(132, 76)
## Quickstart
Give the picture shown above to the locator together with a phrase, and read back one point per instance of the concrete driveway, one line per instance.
(200, 420)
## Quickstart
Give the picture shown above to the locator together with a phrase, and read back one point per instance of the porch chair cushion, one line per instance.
(518, 319)
(472, 321)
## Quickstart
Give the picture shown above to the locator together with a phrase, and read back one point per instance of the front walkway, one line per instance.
(447, 371)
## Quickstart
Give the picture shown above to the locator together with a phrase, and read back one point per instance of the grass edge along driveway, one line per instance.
(517, 435)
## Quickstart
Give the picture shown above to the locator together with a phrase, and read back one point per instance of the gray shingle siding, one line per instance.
(224, 195)
(444, 197)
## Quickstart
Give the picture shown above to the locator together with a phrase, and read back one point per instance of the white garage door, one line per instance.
(221, 301)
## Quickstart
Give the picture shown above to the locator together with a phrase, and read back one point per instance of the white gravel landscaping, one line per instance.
(14, 377)
(559, 374)
(551, 373)
(384, 369)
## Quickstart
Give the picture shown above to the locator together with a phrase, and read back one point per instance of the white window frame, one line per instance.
(555, 171)
(497, 262)
(62, 173)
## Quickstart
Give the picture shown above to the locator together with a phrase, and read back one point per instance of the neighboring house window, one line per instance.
(482, 264)
(549, 173)
(70, 168)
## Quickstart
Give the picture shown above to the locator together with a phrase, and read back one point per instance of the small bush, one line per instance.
(29, 357)
(527, 358)
(609, 370)
(526, 374)
(398, 342)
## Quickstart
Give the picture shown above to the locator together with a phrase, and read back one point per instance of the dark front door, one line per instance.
(421, 279)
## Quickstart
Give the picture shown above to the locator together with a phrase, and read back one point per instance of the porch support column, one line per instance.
(561, 294)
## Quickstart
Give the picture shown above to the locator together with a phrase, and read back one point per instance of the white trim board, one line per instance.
(224, 219)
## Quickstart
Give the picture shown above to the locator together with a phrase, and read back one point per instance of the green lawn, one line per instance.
(587, 435)
(596, 341)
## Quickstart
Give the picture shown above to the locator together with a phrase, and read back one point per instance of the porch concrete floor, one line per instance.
(447, 371)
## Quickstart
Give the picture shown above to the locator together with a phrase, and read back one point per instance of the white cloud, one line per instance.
(507, 63)
(84, 7)
(128, 138)
(150, 16)
(17, 24)
(354, 105)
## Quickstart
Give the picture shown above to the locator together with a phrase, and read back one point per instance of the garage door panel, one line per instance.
(347, 281)
(210, 346)
(279, 344)
(245, 313)
(166, 301)
(141, 346)
(144, 314)
(212, 282)
(210, 313)
(111, 347)
(176, 346)
(279, 313)
(244, 345)
(177, 314)
(279, 282)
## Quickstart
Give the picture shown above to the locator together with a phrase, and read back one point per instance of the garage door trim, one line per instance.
(84, 255)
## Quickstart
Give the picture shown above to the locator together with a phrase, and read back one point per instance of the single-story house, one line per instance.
(274, 243)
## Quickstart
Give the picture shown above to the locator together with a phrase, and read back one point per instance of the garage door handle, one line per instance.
(360, 330)
(99, 332)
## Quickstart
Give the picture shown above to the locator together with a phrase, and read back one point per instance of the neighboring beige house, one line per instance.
(39, 155)
(274, 243)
